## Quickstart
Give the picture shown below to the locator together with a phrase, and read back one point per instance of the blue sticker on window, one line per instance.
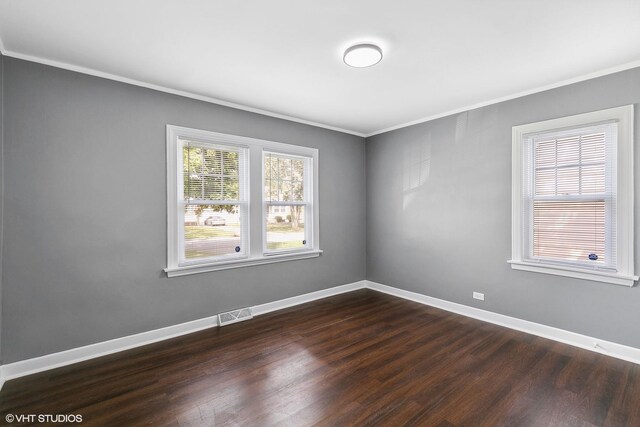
(593, 257)
(237, 248)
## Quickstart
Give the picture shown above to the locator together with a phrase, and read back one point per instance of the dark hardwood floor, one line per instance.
(362, 358)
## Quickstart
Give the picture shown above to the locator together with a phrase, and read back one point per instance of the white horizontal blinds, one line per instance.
(214, 197)
(287, 202)
(569, 230)
(571, 195)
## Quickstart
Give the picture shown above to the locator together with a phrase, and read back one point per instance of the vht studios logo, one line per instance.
(43, 418)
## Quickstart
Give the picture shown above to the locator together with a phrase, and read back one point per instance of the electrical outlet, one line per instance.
(478, 295)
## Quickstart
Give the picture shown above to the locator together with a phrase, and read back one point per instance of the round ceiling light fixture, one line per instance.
(362, 55)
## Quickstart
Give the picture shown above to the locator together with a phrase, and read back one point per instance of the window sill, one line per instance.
(247, 262)
(559, 270)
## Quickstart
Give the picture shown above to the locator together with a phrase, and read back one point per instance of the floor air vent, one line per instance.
(234, 316)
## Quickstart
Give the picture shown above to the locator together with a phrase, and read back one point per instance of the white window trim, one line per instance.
(255, 185)
(624, 220)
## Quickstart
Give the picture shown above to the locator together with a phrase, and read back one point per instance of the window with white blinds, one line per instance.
(570, 216)
(571, 195)
(287, 202)
(214, 214)
(234, 201)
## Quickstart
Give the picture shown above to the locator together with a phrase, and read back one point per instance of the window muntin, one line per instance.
(214, 202)
(287, 202)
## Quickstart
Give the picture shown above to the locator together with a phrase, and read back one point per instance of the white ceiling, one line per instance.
(284, 57)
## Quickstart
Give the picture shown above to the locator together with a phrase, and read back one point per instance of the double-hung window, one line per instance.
(287, 202)
(235, 201)
(212, 213)
(573, 196)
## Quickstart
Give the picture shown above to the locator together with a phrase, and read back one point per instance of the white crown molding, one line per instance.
(96, 73)
(619, 351)
(601, 73)
(191, 95)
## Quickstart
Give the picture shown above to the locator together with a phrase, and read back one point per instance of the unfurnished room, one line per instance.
(319, 213)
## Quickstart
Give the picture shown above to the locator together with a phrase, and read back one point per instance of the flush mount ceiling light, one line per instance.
(362, 55)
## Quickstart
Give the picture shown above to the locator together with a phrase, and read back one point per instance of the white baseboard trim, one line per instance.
(79, 354)
(619, 351)
(91, 351)
(75, 355)
(301, 299)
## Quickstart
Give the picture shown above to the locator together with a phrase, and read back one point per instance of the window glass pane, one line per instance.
(593, 179)
(212, 161)
(211, 231)
(285, 190)
(193, 186)
(545, 182)
(546, 153)
(297, 191)
(285, 227)
(569, 231)
(230, 163)
(192, 158)
(212, 188)
(210, 174)
(568, 151)
(270, 165)
(284, 167)
(568, 181)
(271, 190)
(593, 147)
(230, 188)
(284, 178)
(297, 168)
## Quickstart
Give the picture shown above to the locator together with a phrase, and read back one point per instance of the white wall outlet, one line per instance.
(478, 295)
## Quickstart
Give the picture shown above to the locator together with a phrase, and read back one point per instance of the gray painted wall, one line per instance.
(1, 187)
(439, 214)
(84, 232)
(85, 212)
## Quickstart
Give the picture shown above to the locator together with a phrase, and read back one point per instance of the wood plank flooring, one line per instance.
(362, 358)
